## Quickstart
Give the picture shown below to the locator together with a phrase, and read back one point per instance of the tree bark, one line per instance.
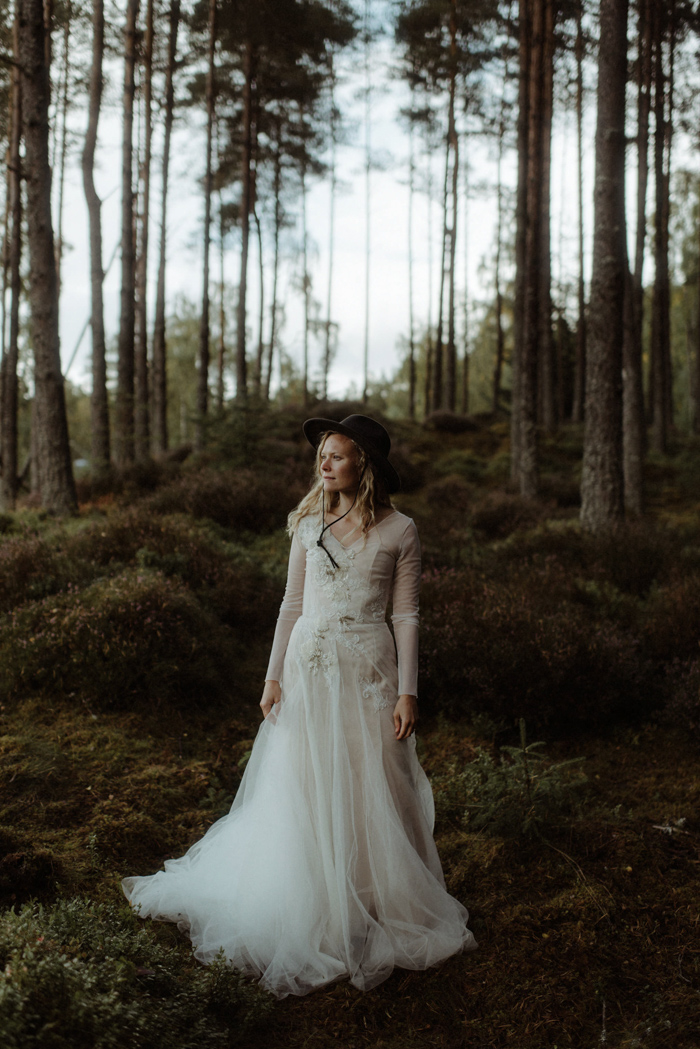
(438, 379)
(124, 415)
(141, 419)
(453, 143)
(520, 233)
(661, 303)
(203, 374)
(528, 248)
(333, 135)
(53, 460)
(602, 505)
(160, 386)
(580, 366)
(64, 97)
(99, 406)
(277, 189)
(246, 198)
(545, 365)
(633, 421)
(10, 357)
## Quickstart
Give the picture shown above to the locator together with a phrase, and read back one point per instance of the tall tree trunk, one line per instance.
(10, 357)
(602, 504)
(160, 387)
(203, 375)
(333, 133)
(453, 140)
(528, 249)
(660, 318)
(306, 283)
(261, 307)
(99, 406)
(64, 98)
(277, 189)
(580, 365)
(411, 320)
(429, 349)
(500, 335)
(466, 333)
(438, 360)
(696, 412)
(545, 364)
(141, 419)
(221, 353)
(53, 460)
(524, 60)
(246, 198)
(633, 422)
(368, 191)
(124, 415)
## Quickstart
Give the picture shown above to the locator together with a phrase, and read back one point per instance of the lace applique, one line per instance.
(313, 650)
(372, 690)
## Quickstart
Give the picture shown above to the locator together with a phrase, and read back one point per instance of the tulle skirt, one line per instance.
(325, 867)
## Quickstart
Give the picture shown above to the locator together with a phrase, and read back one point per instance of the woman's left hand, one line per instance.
(405, 716)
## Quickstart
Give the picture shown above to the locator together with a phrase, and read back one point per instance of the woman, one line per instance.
(325, 866)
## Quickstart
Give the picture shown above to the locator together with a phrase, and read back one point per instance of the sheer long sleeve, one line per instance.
(405, 610)
(290, 609)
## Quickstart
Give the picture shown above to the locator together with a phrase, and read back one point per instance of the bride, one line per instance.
(326, 867)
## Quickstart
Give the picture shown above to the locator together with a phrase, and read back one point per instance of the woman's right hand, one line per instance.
(272, 694)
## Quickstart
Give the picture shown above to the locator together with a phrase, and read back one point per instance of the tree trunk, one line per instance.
(368, 192)
(500, 335)
(275, 264)
(10, 357)
(524, 59)
(141, 420)
(53, 460)
(660, 318)
(160, 387)
(528, 248)
(545, 365)
(411, 321)
(305, 284)
(429, 354)
(602, 505)
(221, 354)
(633, 422)
(438, 374)
(124, 415)
(99, 406)
(261, 308)
(64, 96)
(203, 375)
(246, 196)
(327, 344)
(450, 397)
(580, 366)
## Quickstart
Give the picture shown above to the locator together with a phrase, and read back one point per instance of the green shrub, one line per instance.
(236, 589)
(241, 499)
(81, 976)
(32, 568)
(522, 647)
(139, 638)
(517, 793)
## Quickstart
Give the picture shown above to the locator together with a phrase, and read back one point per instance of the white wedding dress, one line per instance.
(326, 867)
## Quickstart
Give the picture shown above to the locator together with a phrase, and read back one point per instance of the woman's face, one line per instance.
(338, 464)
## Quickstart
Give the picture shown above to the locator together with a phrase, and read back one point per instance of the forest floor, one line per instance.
(587, 937)
(588, 930)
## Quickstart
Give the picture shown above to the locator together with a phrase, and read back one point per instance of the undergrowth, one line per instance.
(77, 974)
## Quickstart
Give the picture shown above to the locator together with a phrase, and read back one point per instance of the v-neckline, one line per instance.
(356, 541)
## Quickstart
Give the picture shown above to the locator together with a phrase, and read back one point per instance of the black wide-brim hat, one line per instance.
(371, 437)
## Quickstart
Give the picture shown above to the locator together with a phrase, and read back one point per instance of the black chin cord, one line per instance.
(319, 541)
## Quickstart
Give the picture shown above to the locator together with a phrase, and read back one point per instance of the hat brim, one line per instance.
(314, 428)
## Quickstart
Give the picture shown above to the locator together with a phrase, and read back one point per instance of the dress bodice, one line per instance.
(381, 565)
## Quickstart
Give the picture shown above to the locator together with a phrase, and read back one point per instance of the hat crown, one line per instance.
(369, 430)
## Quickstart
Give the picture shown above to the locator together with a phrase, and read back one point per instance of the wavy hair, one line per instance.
(371, 496)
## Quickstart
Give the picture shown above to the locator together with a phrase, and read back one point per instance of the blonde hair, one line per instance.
(371, 495)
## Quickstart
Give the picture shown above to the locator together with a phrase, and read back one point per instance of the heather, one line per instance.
(560, 725)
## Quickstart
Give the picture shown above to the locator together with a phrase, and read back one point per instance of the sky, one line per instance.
(388, 324)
